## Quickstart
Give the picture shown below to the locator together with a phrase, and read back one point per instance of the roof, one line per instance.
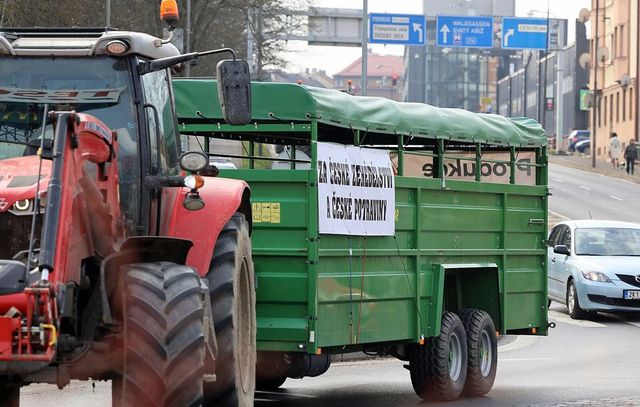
(288, 102)
(293, 77)
(600, 223)
(79, 42)
(377, 66)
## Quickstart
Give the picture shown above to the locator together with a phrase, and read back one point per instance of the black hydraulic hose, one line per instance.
(54, 194)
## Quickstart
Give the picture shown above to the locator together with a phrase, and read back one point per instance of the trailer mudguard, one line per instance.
(223, 197)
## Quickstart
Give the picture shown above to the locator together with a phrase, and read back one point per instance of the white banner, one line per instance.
(356, 191)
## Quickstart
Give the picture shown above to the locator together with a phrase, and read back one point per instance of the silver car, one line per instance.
(594, 265)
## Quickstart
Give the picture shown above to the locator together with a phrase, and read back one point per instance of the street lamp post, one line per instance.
(365, 34)
(596, 100)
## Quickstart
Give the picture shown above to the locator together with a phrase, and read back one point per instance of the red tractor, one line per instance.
(120, 258)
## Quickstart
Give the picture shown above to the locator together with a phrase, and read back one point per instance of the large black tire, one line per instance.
(482, 351)
(9, 395)
(270, 384)
(232, 292)
(163, 337)
(439, 368)
(573, 304)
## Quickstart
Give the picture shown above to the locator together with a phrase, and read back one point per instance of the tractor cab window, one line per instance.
(161, 123)
(101, 86)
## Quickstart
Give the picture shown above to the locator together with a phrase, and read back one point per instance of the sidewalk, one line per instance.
(583, 162)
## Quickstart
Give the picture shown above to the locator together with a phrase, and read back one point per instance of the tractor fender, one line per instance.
(223, 197)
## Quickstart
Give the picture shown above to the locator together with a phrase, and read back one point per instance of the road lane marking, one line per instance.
(621, 318)
(522, 341)
(558, 215)
(585, 188)
(566, 319)
(558, 180)
(524, 359)
(615, 197)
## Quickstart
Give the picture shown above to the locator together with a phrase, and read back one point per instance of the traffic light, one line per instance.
(549, 104)
(394, 80)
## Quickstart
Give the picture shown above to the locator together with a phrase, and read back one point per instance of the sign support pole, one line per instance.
(365, 32)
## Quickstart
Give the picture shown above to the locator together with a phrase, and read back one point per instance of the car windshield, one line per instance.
(607, 241)
(29, 87)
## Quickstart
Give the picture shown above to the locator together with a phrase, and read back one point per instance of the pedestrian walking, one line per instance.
(631, 155)
(614, 150)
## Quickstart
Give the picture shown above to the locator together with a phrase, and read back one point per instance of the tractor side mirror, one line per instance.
(234, 91)
(561, 249)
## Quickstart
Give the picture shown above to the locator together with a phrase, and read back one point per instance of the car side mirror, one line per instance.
(561, 249)
(234, 90)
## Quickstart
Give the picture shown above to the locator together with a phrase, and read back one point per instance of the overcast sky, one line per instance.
(333, 59)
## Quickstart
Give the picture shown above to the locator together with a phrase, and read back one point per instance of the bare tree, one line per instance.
(214, 23)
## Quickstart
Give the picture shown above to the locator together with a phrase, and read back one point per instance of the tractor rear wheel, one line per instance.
(9, 395)
(439, 368)
(163, 337)
(232, 292)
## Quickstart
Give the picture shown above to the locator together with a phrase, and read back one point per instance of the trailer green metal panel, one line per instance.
(457, 244)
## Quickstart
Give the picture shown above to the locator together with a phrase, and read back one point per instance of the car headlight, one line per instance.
(595, 276)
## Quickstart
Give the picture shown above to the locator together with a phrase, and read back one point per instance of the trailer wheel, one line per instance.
(232, 292)
(163, 337)
(9, 395)
(482, 351)
(439, 368)
(270, 384)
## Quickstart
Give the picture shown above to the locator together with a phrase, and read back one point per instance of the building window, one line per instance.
(630, 103)
(624, 104)
(606, 100)
(622, 49)
(617, 107)
(614, 44)
(599, 112)
(611, 110)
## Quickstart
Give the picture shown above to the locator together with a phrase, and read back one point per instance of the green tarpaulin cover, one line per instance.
(292, 102)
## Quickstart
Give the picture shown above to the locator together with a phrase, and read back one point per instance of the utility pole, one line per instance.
(544, 86)
(365, 35)
(108, 13)
(187, 38)
(559, 96)
(596, 100)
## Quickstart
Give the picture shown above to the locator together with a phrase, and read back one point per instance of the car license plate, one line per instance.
(631, 294)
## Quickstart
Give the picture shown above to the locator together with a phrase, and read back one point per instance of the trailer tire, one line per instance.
(163, 349)
(9, 395)
(232, 293)
(272, 383)
(439, 368)
(482, 351)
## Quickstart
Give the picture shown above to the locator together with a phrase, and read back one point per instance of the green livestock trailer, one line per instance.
(392, 228)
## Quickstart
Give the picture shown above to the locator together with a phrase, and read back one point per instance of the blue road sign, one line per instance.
(403, 29)
(524, 33)
(461, 31)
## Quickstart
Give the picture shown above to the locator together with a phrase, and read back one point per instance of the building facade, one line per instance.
(385, 76)
(614, 72)
(548, 87)
(456, 77)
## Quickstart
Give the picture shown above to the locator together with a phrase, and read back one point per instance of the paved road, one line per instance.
(578, 194)
(581, 363)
